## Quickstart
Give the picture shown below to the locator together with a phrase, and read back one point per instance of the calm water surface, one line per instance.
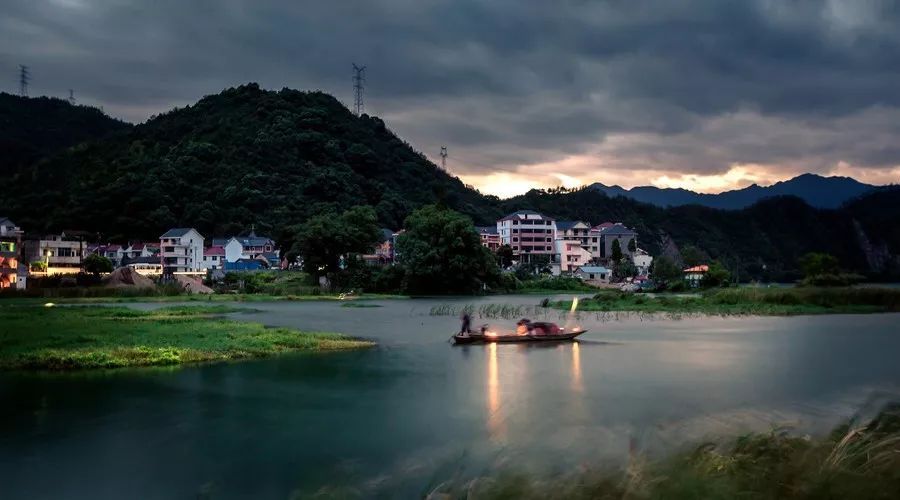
(393, 420)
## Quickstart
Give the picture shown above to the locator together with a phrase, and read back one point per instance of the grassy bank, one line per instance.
(739, 301)
(217, 298)
(67, 338)
(851, 463)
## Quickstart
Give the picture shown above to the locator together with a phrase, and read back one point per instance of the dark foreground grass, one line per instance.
(851, 463)
(757, 301)
(68, 338)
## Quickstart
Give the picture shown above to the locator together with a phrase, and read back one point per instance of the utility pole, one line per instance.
(359, 80)
(24, 78)
(71, 97)
(444, 158)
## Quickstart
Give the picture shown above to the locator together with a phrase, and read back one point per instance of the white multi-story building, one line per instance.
(528, 233)
(181, 250)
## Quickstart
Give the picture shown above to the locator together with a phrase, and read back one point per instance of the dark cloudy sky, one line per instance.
(704, 94)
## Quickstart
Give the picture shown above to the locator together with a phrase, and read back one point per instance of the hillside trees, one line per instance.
(442, 253)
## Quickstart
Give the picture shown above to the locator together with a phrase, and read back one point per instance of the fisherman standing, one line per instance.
(466, 324)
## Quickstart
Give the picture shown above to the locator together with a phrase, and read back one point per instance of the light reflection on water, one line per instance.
(395, 417)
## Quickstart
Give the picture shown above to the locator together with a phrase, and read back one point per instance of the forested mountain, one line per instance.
(817, 191)
(762, 241)
(244, 156)
(274, 159)
(33, 128)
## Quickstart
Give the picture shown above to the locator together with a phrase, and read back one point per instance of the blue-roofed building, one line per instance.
(245, 265)
(593, 274)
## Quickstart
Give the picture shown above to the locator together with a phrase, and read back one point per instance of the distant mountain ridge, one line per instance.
(816, 190)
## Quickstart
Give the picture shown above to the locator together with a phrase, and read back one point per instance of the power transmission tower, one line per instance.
(359, 80)
(71, 97)
(24, 78)
(444, 157)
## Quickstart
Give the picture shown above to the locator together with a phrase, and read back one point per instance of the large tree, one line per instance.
(442, 253)
(322, 240)
(664, 271)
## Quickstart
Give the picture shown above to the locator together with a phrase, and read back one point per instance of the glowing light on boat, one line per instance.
(490, 334)
(574, 304)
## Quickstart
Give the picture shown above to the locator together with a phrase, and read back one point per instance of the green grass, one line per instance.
(748, 301)
(237, 297)
(853, 462)
(68, 338)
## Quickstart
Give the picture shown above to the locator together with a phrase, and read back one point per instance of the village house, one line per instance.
(141, 249)
(529, 234)
(490, 239)
(10, 248)
(115, 253)
(147, 266)
(595, 275)
(248, 248)
(642, 261)
(694, 275)
(181, 250)
(213, 258)
(570, 255)
(603, 236)
(61, 253)
(575, 230)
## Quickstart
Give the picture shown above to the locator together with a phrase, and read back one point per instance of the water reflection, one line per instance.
(495, 416)
(577, 384)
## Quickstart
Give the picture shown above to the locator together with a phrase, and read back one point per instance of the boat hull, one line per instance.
(504, 339)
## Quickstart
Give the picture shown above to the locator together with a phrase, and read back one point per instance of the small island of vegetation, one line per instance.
(746, 301)
(70, 338)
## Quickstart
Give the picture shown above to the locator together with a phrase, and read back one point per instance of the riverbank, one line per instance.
(852, 462)
(225, 297)
(71, 338)
(746, 301)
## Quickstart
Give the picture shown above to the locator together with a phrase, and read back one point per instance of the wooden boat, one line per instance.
(478, 338)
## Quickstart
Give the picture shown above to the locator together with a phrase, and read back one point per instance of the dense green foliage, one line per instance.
(323, 240)
(34, 128)
(855, 461)
(716, 276)
(96, 264)
(276, 159)
(244, 156)
(441, 252)
(665, 272)
(64, 338)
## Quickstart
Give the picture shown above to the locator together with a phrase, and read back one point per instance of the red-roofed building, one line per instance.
(694, 275)
(213, 258)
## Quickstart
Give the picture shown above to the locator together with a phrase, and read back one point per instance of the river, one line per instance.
(397, 419)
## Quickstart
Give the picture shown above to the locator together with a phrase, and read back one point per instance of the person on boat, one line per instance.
(523, 327)
(466, 324)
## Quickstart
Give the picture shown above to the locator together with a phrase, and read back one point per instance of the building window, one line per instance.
(515, 239)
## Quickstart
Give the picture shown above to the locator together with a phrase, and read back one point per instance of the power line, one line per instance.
(359, 80)
(444, 158)
(24, 78)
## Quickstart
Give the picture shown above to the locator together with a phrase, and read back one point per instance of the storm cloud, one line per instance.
(709, 94)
